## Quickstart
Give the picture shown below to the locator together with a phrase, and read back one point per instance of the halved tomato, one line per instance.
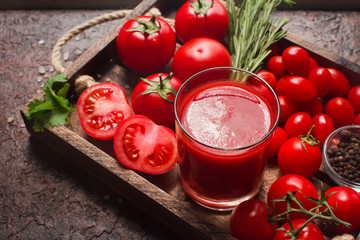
(144, 146)
(101, 108)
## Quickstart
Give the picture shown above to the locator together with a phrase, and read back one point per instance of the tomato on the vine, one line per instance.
(248, 218)
(276, 66)
(345, 203)
(324, 125)
(299, 89)
(300, 155)
(341, 111)
(298, 124)
(101, 108)
(292, 182)
(199, 54)
(296, 60)
(144, 146)
(202, 18)
(310, 232)
(340, 85)
(146, 43)
(354, 98)
(154, 97)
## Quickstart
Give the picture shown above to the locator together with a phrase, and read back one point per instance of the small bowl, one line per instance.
(331, 143)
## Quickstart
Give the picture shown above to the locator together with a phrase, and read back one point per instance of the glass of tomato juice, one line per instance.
(225, 119)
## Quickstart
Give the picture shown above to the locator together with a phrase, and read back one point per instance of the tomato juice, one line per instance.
(223, 132)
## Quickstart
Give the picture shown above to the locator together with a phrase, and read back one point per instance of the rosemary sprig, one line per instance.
(251, 33)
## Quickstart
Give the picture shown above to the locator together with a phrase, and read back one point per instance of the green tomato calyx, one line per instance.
(309, 139)
(161, 87)
(146, 27)
(201, 6)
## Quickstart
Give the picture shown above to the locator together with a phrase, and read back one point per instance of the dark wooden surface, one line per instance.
(44, 197)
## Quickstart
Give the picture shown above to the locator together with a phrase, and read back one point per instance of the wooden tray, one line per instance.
(161, 195)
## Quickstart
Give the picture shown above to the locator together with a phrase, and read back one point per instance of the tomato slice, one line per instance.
(144, 146)
(101, 108)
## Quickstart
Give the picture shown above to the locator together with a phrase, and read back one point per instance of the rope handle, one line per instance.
(85, 81)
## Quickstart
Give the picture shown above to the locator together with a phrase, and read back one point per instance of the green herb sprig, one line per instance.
(54, 108)
(251, 33)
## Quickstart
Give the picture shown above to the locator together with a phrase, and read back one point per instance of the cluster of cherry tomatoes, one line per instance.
(255, 219)
(314, 101)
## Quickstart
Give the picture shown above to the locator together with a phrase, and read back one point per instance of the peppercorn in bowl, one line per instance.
(341, 156)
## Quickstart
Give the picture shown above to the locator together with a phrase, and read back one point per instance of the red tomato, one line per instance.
(296, 60)
(101, 108)
(154, 98)
(278, 139)
(345, 203)
(275, 50)
(276, 66)
(310, 232)
(204, 18)
(300, 157)
(357, 120)
(298, 124)
(324, 125)
(279, 86)
(248, 217)
(340, 84)
(145, 49)
(292, 183)
(321, 79)
(354, 98)
(141, 145)
(341, 111)
(199, 54)
(269, 77)
(312, 107)
(313, 64)
(299, 89)
(287, 107)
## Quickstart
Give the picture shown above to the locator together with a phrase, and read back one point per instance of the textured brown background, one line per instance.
(41, 195)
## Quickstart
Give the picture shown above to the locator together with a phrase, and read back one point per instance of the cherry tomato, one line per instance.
(354, 98)
(146, 49)
(278, 139)
(287, 107)
(269, 77)
(292, 183)
(357, 120)
(299, 156)
(324, 125)
(296, 60)
(275, 51)
(299, 89)
(276, 66)
(141, 145)
(312, 107)
(154, 97)
(340, 84)
(310, 232)
(298, 124)
(201, 18)
(248, 217)
(101, 108)
(345, 203)
(313, 64)
(279, 86)
(321, 79)
(199, 54)
(341, 111)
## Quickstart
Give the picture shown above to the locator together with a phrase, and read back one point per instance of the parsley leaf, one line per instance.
(54, 108)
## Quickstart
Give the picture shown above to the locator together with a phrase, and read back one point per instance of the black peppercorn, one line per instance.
(344, 157)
